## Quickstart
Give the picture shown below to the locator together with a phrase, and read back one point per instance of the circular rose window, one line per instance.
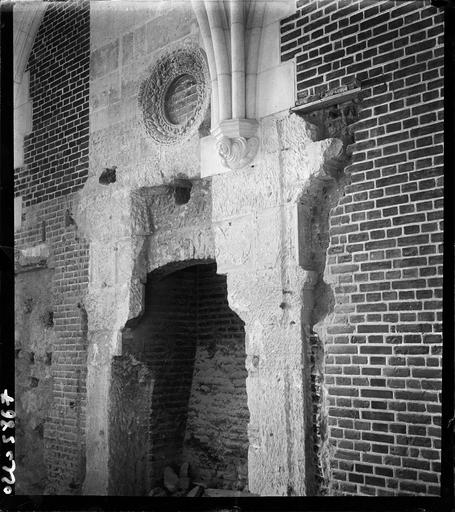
(175, 97)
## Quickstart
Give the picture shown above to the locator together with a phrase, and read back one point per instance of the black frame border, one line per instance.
(122, 503)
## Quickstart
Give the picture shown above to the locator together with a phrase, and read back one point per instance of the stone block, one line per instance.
(17, 213)
(130, 82)
(269, 135)
(210, 159)
(102, 213)
(269, 49)
(105, 91)
(21, 91)
(18, 149)
(294, 132)
(234, 243)
(100, 305)
(167, 247)
(102, 265)
(280, 78)
(170, 27)
(277, 9)
(110, 22)
(268, 237)
(246, 190)
(98, 121)
(139, 42)
(104, 60)
(255, 293)
(22, 127)
(127, 48)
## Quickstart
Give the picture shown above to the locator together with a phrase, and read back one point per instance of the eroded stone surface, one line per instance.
(257, 241)
(248, 220)
(35, 337)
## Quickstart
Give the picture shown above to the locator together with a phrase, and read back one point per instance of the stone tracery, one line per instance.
(152, 94)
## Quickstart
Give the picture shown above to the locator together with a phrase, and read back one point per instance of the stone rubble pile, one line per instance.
(182, 485)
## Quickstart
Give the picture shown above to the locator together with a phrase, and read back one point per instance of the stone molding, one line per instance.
(187, 60)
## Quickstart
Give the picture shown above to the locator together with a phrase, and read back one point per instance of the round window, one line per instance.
(180, 100)
(174, 99)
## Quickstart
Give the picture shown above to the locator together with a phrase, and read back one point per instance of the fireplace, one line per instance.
(188, 348)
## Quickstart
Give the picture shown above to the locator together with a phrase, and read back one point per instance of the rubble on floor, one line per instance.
(182, 485)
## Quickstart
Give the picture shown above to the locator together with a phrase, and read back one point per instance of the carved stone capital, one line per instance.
(237, 143)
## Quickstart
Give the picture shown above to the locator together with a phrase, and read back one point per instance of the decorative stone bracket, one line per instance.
(237, 143)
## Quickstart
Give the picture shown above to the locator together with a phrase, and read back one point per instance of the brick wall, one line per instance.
(195, 348)
(55, 165)
(56, 152)
(166, 340)
(384, 261)
(45, 226)
(216, 442)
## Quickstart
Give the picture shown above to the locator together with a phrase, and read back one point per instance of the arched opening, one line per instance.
(183, 377)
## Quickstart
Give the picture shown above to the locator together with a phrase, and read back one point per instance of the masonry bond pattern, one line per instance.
(383, 338)
(56, 151)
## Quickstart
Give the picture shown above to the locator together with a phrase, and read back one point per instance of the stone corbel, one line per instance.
(237, 142)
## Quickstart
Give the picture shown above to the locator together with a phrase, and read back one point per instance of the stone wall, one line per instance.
(258, 235)
(125, 45)
(382, 337)
(35, 341)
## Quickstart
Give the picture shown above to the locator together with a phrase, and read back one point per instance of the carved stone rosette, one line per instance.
(188, 60)
(237, 143)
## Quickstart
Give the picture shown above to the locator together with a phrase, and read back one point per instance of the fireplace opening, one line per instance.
(193, 347)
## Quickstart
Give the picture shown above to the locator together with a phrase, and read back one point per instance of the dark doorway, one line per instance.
(193, 344)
